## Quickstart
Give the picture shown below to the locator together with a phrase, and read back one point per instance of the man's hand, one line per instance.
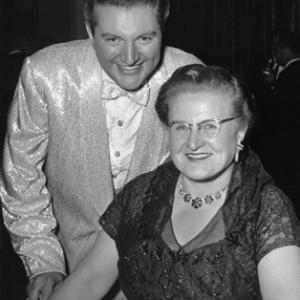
(41, 286)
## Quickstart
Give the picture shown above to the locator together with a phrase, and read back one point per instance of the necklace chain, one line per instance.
(197, 202)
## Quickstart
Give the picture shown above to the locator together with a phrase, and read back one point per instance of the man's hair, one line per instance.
(89, 9)
(288, 39)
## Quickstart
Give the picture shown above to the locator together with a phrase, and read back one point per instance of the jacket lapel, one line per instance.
(93, 136)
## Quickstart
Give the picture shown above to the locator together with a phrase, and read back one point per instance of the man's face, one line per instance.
(127, 42)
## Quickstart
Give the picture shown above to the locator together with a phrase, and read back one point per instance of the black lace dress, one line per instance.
(219, 263)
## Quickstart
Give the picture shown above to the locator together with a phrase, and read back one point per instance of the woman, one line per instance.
(209, 223)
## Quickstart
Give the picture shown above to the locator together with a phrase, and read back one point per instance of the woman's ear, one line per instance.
(88, 30)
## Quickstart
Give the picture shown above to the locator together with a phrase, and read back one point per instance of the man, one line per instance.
(82, 124)
(282, 146)
(285, 61)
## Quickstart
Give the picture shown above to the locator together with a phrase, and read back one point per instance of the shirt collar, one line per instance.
(290, 62)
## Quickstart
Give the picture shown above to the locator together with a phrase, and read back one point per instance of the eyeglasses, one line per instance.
(207, 129)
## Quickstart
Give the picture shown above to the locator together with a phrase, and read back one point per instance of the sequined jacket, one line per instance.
(56, 177)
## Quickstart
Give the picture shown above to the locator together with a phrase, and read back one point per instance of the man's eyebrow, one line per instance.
(107, 34)
(152, 32)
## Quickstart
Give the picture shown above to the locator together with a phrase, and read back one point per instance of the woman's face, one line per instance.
(200, 158)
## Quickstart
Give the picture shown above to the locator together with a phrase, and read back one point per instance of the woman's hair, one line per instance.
(89, 9)
(197, 77)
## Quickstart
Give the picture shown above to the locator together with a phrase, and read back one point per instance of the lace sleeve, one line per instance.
(277, 224)
(110, 220)
(127, 206)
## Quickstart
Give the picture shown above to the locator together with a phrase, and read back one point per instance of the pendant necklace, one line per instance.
(197, 202)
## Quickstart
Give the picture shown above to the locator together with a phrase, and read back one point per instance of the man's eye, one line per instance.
(111, 40)
(146, 39)
(181, 127)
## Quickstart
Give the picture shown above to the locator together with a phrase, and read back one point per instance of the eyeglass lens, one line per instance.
(207, 129)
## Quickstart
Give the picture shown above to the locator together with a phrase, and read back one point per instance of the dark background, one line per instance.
(232, 33)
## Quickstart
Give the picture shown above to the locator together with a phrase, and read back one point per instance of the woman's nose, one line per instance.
(194, 140)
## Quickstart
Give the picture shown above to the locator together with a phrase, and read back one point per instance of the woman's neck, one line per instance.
(207, 187)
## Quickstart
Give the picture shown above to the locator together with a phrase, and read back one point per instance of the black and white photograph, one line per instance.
(150, 150)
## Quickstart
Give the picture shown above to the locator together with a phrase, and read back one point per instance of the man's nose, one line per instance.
(130, 54)
(194, 140)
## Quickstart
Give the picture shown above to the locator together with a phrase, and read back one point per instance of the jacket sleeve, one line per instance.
(26, 202)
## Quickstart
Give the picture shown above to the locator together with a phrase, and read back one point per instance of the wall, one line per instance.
(62, 20)
(54, 20)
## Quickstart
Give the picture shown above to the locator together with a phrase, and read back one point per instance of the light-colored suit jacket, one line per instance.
(56, 178)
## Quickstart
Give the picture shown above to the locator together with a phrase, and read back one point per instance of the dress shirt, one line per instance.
(123, 116)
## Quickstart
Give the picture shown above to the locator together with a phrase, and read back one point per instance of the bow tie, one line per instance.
(111, 91)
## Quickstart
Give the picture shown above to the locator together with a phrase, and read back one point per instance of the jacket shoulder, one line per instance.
(174, 58)
(178, 57)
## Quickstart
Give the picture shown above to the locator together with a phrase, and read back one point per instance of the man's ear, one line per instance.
(88, 30)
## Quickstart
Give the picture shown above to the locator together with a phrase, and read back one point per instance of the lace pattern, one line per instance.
(257, 216)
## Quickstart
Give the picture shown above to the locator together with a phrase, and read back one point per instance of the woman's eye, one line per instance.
(208, 126)
(181, 128)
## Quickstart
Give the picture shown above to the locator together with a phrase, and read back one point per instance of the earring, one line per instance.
(239, 147)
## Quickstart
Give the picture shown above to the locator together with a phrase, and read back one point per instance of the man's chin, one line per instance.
(130, 87)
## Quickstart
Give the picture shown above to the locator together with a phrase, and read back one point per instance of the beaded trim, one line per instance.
(199, 201)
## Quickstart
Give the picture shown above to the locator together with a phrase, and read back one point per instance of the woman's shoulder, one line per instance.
(272, 196)
(270, 190)
(140, 191)
(144, 180)
(139, 183)
(274, 203)
(277, 210)
(277, 224)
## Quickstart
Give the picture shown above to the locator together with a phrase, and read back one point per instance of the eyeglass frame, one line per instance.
(218, 121)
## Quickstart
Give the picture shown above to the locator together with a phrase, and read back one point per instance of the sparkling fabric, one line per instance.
(56, 177)
(220, 263)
